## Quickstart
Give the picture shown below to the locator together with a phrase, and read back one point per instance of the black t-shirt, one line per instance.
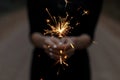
(75, 8)
(78, 63)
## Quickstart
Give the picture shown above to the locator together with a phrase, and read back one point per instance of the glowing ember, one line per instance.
(61, 27)
(85, 12)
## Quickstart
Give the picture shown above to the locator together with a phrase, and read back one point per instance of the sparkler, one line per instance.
(60, 27)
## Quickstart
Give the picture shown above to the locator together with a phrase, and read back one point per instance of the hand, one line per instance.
(47, 43)
(70, 44)
(81, 42)
(67, 47)
(50, 47)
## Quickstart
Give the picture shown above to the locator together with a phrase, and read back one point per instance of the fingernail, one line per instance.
(54, 46)
(51, 53)
(60, 43)
(50, 49)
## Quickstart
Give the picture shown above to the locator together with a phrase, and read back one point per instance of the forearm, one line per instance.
(82, 42)
(37, 39)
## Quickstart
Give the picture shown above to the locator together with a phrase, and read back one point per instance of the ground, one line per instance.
(16, 49)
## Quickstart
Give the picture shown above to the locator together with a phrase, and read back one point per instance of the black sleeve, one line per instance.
(36, 15)
(35, 12)
(89, 22)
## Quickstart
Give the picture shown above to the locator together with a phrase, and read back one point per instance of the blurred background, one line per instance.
(16, 50)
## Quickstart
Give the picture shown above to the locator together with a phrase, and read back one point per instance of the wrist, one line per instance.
(37, 39)
(81, 42)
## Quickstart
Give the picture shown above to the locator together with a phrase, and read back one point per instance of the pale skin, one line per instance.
(53, 45)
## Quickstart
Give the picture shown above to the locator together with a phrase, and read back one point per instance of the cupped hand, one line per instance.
(67, 46)
(50, 47)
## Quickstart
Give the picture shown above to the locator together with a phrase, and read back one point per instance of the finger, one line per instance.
(64, 40)
(53, 56)
(69, 44)
(49, 43)
(59, 42)
(69, 52)
(60, 47)
(63, 44)
(55, 40)
(55, 51)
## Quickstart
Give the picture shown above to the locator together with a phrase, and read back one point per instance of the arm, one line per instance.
(84, 32)
(88, 24)
(34, 22)
(36, 18)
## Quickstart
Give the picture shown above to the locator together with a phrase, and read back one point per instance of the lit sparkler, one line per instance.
(61, 28)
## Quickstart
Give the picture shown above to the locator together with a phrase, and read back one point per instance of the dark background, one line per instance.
(16, 50)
